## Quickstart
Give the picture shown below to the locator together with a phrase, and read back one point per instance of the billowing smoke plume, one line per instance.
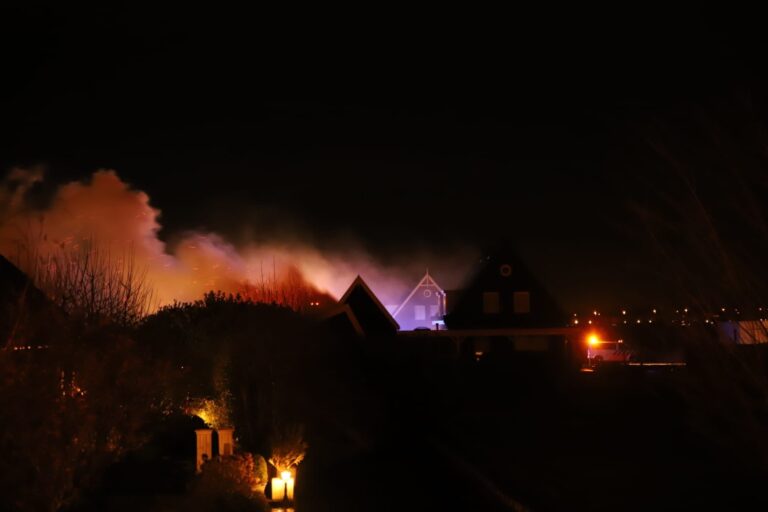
(107, 211)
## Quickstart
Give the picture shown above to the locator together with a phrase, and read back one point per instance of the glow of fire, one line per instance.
(119, 218)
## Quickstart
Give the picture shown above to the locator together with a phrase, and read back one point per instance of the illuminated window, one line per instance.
(420, 312)
(522, 302)
(434, 310)
(491, 303)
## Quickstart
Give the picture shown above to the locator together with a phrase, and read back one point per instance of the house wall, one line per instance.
(424, 307)
(503, 293)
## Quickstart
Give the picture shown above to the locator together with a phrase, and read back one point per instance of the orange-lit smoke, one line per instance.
(107, 211)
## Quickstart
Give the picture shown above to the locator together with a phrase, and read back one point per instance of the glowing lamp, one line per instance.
(278, 489)
(282, 486)
(593, 340)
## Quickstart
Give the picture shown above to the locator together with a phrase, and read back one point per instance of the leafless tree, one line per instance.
(289, 289)
(89, 281)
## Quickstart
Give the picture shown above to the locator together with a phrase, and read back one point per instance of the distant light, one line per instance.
(593, 340)
(654, 311)
(575, 322)
(594, 312)
(638, 320)
(590, 322)
(623, 311)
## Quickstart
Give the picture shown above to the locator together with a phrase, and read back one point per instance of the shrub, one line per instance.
(228, 484)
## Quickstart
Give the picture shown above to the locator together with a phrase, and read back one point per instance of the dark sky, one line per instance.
(430, 134)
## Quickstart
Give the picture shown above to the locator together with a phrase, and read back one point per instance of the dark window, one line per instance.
(522, 302)
(491, 303)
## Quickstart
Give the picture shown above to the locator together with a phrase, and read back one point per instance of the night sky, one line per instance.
(433, 134)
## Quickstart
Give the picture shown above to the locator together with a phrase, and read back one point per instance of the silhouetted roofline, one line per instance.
(361, 283)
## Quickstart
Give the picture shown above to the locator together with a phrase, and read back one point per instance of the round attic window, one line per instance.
(505, 270)
(427, 293)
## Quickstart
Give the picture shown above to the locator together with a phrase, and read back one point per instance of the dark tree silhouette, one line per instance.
(73, 409)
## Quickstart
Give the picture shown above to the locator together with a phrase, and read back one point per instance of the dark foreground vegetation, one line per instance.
(100, 405)
(103, 419)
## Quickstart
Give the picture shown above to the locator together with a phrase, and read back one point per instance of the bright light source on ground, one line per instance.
(283, 486)
(593, 340)
(278, 489)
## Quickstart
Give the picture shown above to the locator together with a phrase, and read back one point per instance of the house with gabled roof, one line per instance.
(424, 307)
(503, 293)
